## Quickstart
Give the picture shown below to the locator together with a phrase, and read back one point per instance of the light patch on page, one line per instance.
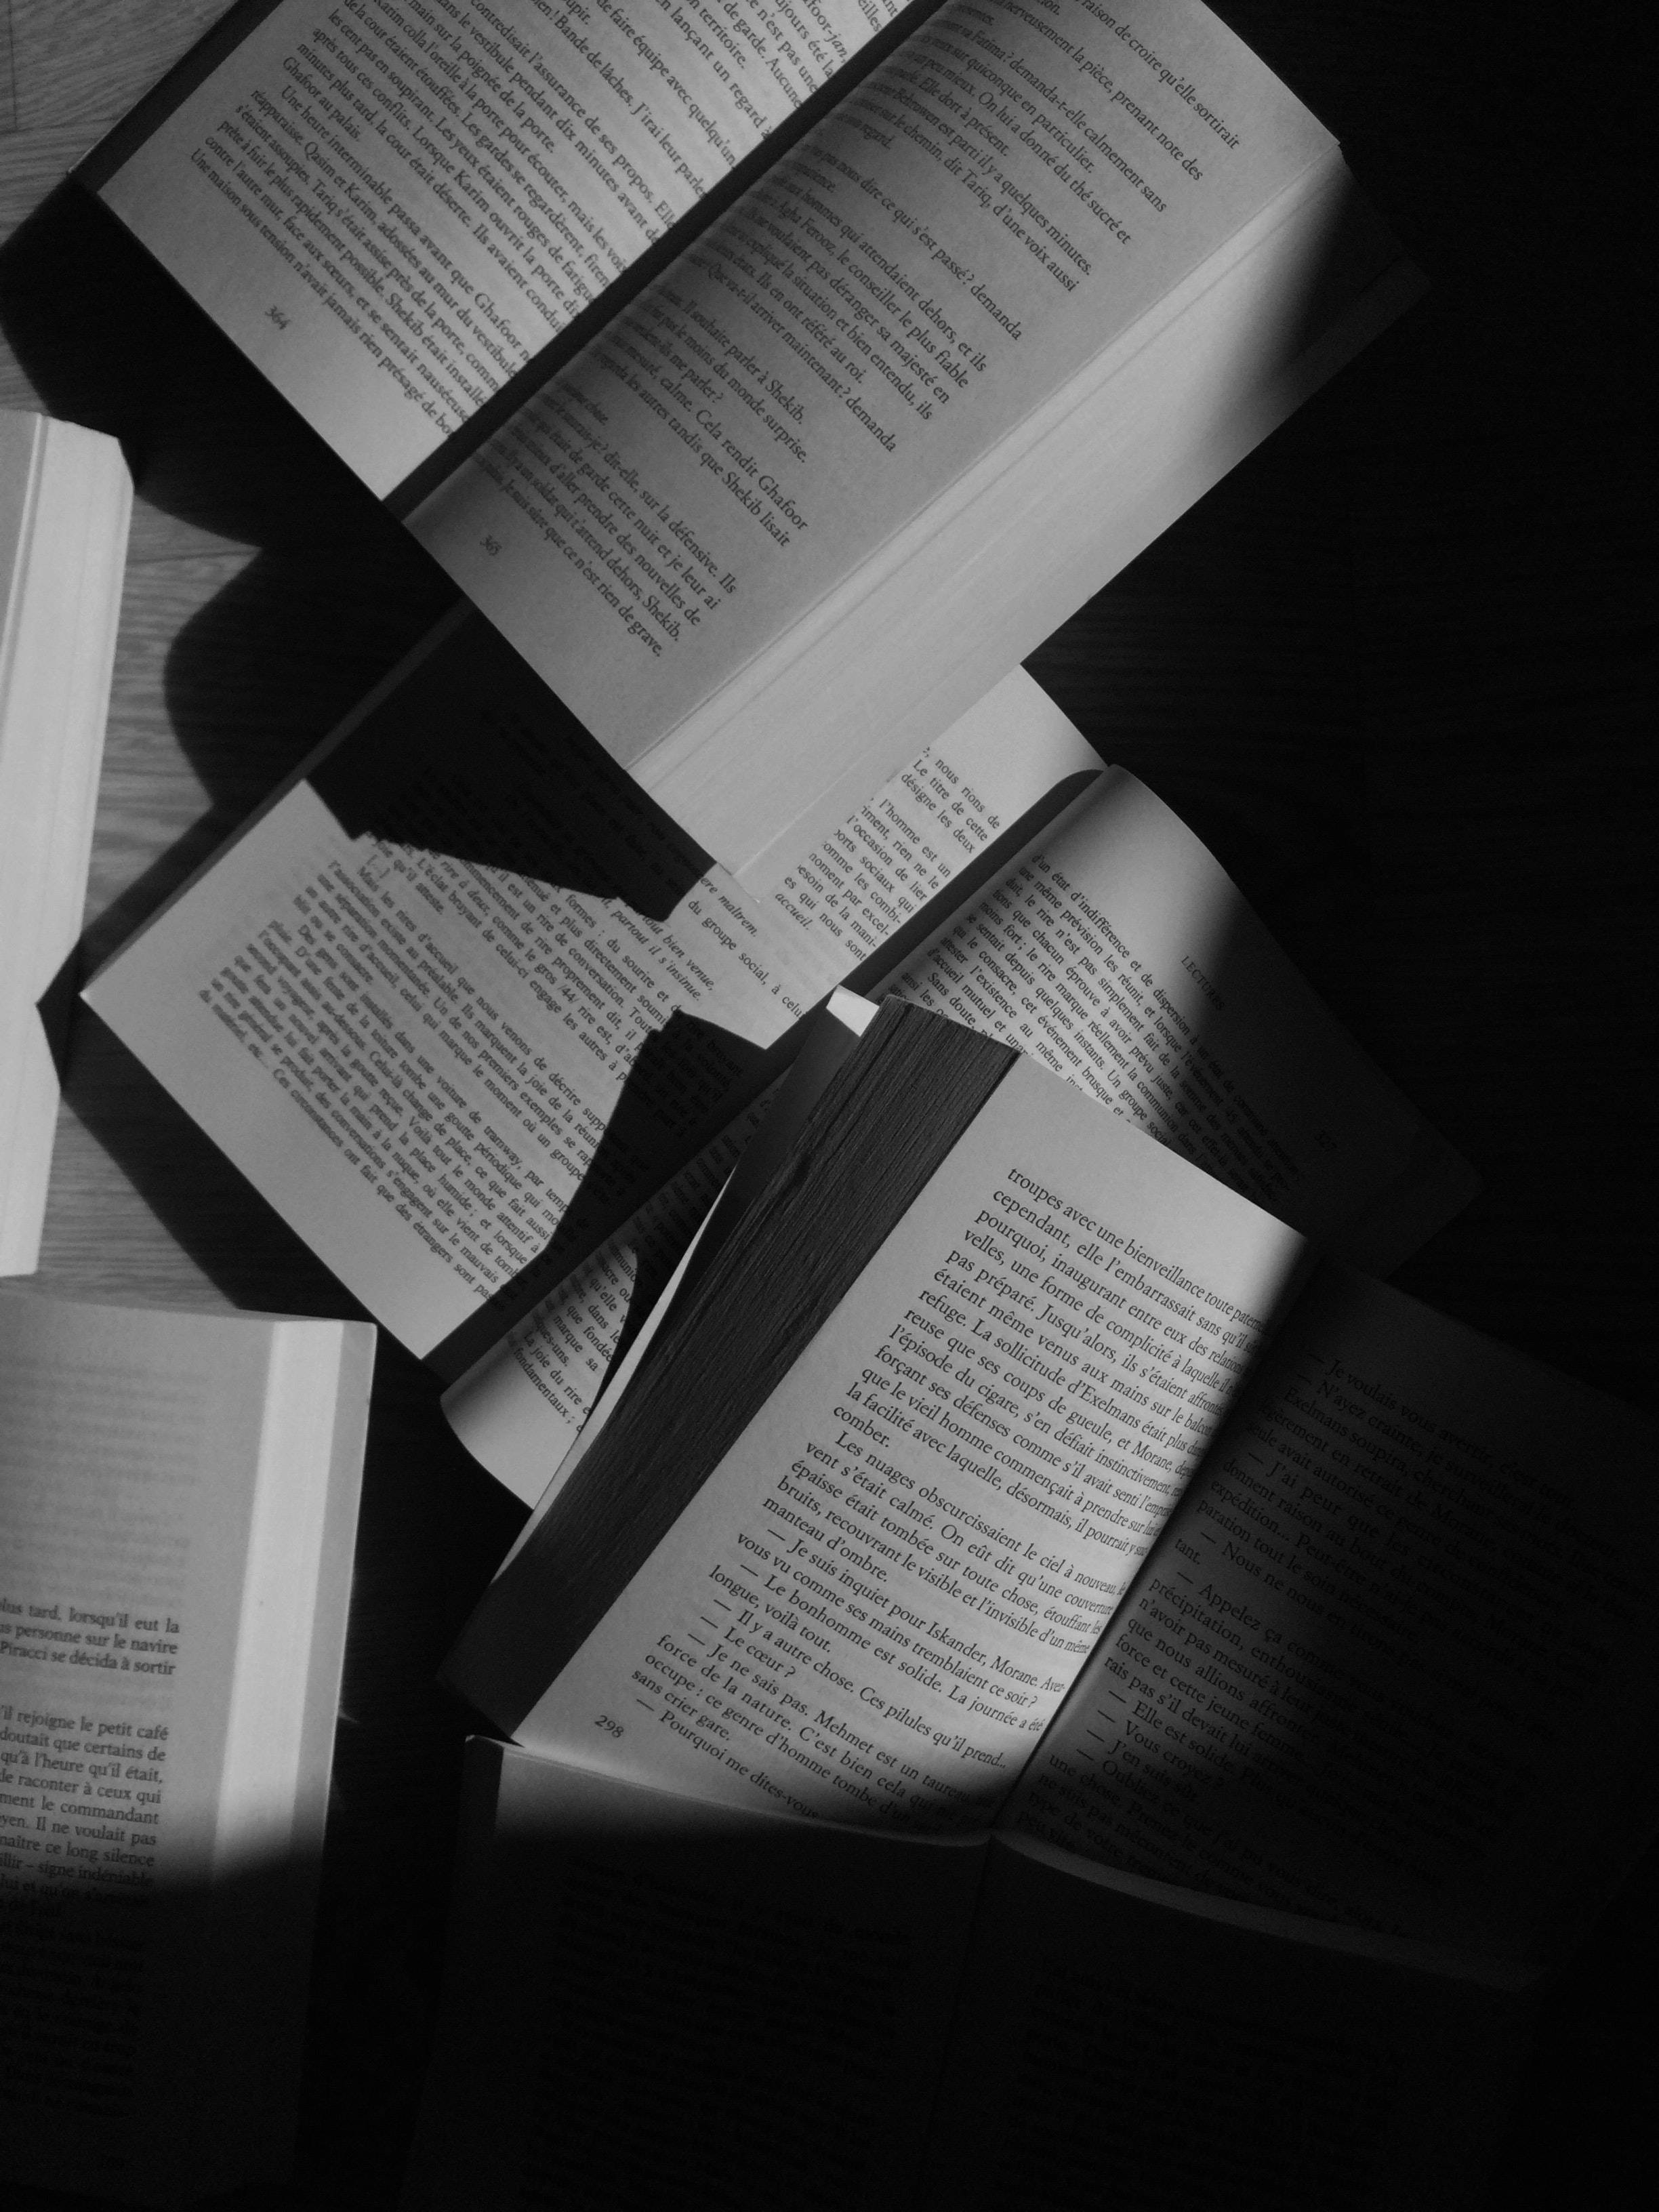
(876, 1600)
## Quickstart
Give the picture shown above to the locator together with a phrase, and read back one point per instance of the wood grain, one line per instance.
(85, 62)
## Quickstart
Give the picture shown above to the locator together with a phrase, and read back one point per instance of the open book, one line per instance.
(64, 500)
(1002, 1458)
(775, 377)
(178, 1504)
(753, 2010)
(457, 1034)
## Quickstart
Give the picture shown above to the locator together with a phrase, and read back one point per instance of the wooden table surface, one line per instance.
(1397, 670)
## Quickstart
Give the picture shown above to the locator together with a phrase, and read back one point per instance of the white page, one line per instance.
(1417, 1558)
(876, 1600)
(415, 1058)
(1043, 520)
(856, 884)
(1124, 957)
(1000, 203)
(391, 207)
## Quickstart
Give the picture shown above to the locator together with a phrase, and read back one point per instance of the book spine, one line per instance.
(881, 1130)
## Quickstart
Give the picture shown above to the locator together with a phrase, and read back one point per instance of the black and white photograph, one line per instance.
(826, 1310)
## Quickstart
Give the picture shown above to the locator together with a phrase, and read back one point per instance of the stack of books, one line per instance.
(1027, 1660)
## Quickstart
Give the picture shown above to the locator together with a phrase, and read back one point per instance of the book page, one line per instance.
(875, 1602)
(763, 1976)
(856, 887)
(998, 204)
(421, 1060)
(1122, 956)
(128, 1442)
(1209, 2055)
(1395, 1661)
(391, 205)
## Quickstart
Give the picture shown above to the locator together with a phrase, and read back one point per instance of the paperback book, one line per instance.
(177, 1504)
(1002, 1464)
(773, 378)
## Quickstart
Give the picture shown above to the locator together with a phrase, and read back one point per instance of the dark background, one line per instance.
(1397, 670)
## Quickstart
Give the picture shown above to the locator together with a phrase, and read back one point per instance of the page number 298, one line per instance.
(611, 1727)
